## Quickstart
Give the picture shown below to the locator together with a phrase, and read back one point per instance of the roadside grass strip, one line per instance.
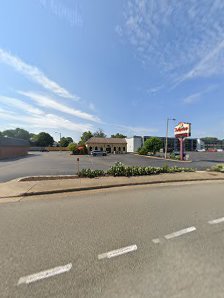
(180, 233)
(44, 274)
(117, 252)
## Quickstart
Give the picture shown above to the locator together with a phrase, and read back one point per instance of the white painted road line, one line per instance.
(180, 233)
(117, 252)
(156, 241)
(216, 221)
(44, 274)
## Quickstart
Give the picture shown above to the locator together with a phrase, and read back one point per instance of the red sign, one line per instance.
(182, 130)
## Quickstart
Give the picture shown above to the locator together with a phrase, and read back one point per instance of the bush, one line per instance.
(120, 169)
(218, 168)
(72, 147)
(91, 173)
(153, 145)
(143, 151)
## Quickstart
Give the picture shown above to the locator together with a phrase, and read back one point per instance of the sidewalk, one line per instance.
(15, 188)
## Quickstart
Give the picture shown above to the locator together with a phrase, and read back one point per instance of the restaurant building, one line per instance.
(109, 145)
(12, 147)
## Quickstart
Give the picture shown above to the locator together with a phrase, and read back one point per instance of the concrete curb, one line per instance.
(73, 189)
(161, 158)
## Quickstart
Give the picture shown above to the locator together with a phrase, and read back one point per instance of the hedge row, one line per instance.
(119, 169)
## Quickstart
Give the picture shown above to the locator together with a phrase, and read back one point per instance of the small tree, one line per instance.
(99, 134)
(153, 145)
(65, 141)
(85, 137)
(73, 147)
(118, 136)
(43, 139)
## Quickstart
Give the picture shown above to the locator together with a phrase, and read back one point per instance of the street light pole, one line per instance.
(60, 138)
(167, 131)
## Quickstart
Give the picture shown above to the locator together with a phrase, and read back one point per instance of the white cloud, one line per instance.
(16, 103)
(33, 73)
(130, 130)
(178, 37)
(195, 97)
(48, 102)
(192, 98)
(45, 121)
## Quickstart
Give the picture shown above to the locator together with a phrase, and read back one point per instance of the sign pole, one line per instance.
(78, 165)
(181, 148)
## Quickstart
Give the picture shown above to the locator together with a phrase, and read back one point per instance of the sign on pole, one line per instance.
(182, 131)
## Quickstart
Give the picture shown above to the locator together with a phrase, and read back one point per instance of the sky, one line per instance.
(124, 66)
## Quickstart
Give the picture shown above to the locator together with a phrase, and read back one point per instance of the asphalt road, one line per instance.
(62, 163)
(172, 247)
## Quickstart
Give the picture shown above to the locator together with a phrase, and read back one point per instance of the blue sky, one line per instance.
(121, 65)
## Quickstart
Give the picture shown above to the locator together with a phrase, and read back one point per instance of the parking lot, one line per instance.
(62, 163)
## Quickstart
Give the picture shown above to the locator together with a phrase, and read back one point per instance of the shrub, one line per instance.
(143, 151)
(218, 168)
(72, 147)
(91, 173)
(119, 169)
(153, 144)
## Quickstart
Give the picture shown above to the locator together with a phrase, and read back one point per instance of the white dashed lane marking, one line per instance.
(44, 274)
(216, 221)
(180, 233)
(117, 252)
(156, 241)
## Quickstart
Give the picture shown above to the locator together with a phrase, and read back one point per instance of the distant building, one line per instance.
(12, 147)
(110, 145)
(173, 144)
(134, 143)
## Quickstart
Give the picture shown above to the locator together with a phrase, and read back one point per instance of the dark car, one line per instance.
(98, 153)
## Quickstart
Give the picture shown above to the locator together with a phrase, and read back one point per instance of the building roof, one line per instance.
(95, 140)
(4, 141)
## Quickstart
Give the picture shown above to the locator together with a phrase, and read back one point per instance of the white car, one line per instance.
(200, 150)
(219, 150)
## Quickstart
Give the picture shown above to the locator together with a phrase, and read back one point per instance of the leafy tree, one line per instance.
(73, 147)
(17, 133)
(85, 137)
(208, 140)
(1, 135)
(119, 136)
(153, 144)
(43, 139)
(99, 134)
(65, 141)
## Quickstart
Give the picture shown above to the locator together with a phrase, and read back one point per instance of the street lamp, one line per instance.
(60, 138)
(167, 130)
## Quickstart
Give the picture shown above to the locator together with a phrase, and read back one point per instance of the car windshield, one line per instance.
(111, 148)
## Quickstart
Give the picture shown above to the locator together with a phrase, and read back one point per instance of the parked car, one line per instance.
(219, 150)
(98, 153)
(212, 150)
(200, 150)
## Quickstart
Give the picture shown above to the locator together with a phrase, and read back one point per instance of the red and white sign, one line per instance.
(182, 130)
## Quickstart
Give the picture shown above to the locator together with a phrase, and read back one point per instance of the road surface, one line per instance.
(152, 241)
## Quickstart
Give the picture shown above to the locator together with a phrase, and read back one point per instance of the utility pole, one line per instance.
(60, 138)
(167, 131)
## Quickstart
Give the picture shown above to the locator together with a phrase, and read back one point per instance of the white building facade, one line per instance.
(134, 143)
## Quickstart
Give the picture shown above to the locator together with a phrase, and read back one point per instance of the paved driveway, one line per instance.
(62, 163)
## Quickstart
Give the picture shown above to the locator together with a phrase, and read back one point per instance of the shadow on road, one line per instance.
(19, 157)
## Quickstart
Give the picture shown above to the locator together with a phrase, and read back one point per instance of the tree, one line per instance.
(99, 134)
(73, 147)
(153, 144)
(64, 142)
(85, 137)
(209, 140)
(18, 133)
(118, 136)
(43, 139)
